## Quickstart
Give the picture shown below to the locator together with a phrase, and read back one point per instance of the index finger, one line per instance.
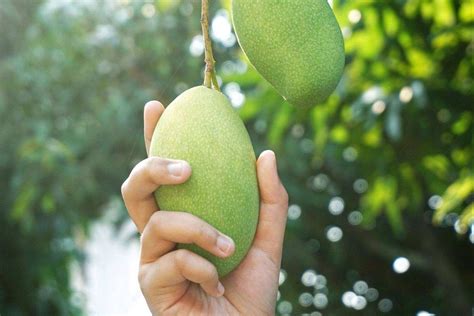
(145, 178)
(151, 114)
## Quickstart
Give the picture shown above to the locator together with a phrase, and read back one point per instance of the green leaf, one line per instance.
(24, 201)
(463, 124)
(437, 164)
(466, 11)
(280, 124)
(454, 196)
(373, 137)
(339, 134)
(382, 198)
(445, 15)
(466, 218)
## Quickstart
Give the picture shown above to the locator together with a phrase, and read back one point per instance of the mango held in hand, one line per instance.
(201, 127)
(296, 45)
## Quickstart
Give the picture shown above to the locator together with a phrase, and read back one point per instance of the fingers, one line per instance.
(145, 178)
(151, 114)
(179, 266)
(273, 207)
(164, 229)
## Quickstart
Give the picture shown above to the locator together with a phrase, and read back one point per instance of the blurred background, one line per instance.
(380, 176)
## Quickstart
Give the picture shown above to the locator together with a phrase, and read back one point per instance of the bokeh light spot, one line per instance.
(320, 282)
(294, 212)
(285, 307)
(148, 10)
(320, 182)
(233, 92)
(401, 265)
(336, 205)
(358, 302)
(385, 305)
(471, 235)
(221, 29)
(282, 277)
(320, 300)
(305, 299)
(334, 234)
(309, 278)
(372, 294)
(347, 298)
(458, 227)
(197, 46)
(360, 287)
(350, 154)
(424, 313)
(354, 16)
(435, 201)
(378, 107)
(406, 94)
(372, 94)
(297, 130)
(355, 218)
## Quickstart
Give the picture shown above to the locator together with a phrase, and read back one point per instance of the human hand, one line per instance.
(179, 282)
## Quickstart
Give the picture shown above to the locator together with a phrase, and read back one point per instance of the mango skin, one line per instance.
(296, 45)
(201, 127)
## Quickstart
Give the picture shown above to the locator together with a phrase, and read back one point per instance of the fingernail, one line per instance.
(267, 152)
(272, 154)
(224, 244)
(176, 168)
(220, 289)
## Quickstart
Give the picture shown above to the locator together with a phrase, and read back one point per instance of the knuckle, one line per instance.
(136, 170)
(182, 257)
(155, 162)
(146, 167)
(142, 169)
(205, 233)
(135, 174)
(150, 162)
(124, 188)
(210, 273)
(284, 196)
(144, 280)
(156, 220)
(155, 169)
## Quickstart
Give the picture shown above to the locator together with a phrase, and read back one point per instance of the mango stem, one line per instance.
(210, 78)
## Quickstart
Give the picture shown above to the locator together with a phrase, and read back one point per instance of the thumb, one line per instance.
(273, 207)
(271, 189)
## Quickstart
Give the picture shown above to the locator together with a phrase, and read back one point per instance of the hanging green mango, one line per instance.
(296, 45)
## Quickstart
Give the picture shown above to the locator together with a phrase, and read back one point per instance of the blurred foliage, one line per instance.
(368, 172)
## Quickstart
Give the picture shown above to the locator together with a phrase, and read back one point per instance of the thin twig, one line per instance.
(210, 79)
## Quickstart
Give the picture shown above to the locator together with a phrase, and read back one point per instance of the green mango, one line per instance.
(201, 127)
(296, 45)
